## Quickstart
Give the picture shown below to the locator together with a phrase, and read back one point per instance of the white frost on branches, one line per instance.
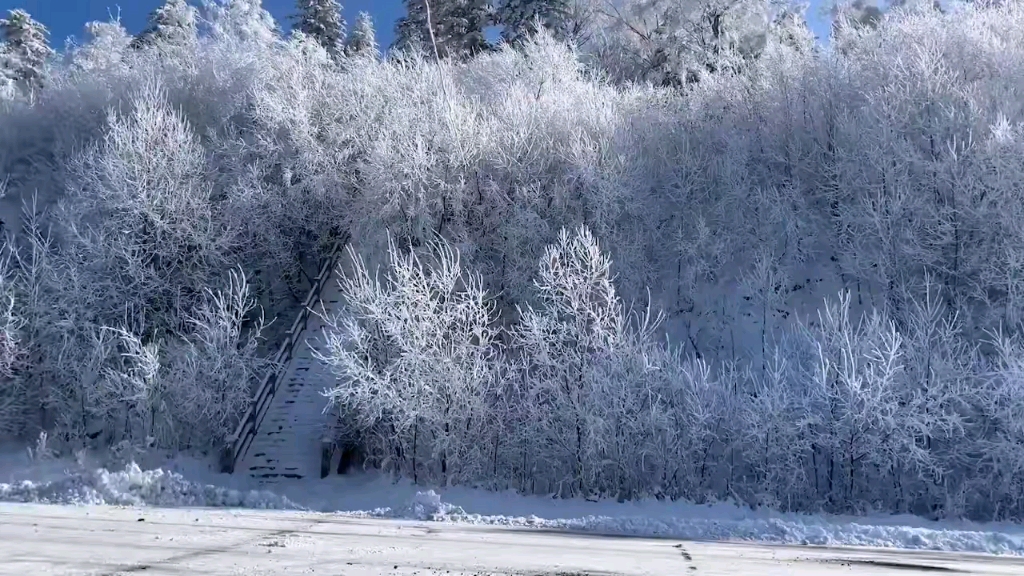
(322, 20)
(827, 241)
(245, 20)
(362, 41)
(24, 51)
(171, 26)
(416, 360)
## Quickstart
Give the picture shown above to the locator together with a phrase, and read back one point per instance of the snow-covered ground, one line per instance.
(181, 481)
(106, 540)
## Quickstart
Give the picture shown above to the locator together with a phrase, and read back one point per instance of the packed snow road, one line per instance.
(46, 540)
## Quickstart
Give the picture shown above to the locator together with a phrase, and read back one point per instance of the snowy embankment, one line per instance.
(187, 483)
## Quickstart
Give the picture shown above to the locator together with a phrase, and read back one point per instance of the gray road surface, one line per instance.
(40, 540)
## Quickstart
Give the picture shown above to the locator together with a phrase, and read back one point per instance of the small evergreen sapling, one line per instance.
(362, 41)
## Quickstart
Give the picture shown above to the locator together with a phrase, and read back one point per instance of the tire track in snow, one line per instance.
(691, 567)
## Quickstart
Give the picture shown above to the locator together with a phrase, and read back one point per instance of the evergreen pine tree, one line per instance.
(172, 24)
(322, 21)
(520, 18)
(464, 25)
(245, 20)
(412, 36)
(457, 25)
(25, 51)
(363, 40)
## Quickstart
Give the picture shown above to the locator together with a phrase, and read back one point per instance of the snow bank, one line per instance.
(191, 484)
(136, 487)
(808, 531)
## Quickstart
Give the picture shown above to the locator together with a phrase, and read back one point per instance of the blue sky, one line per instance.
(66, 17)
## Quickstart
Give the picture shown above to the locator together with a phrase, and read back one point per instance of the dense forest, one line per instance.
(645, 248)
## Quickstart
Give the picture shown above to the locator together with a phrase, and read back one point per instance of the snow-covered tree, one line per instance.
(581, 359)
(147, 171)
(455, 29)
(412, 32)
(245, 20)
(362, 40)
(322, 20)
(173, 24)
(850, 18)
(13, 393)
(24, 51)
(520, 19)
(462, 27)
(106, 43)
(673, 42)
(888, 171)
(790, 29)
(417, 362)
(182, 390)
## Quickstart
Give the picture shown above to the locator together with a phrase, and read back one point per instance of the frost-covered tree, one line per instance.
(106, 43)
(850, 18)
(462, 27)
(850, 15)
(888, 171)
(417, 362)
(181, 390)
(520, 19)
(14, 397)
(790, 29)
(173, 24)
(412, 32)
(143, 186)
(245, 20)
(455, 29)
(127, 370)
(673, 42)
(322, 20)
(581, 360)
(857, 381)
(24, 51)
(362, 40)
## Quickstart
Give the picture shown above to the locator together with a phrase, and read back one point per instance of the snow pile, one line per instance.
(426, 506)
(136, 487)
(809, 530)
(184, 483)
